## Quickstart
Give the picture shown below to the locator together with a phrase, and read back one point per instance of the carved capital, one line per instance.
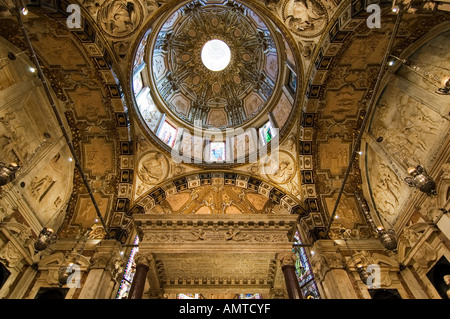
(319, 266)
(142, 259)
(287, 259)
(156, 293)
(278, 294)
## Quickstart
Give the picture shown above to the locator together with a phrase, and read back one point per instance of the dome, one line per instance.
(215, 98)
(212, 67)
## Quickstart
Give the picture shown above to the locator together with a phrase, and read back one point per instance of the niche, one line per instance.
(439, 276)
(4, 275)
(384, 294)
(51, 293)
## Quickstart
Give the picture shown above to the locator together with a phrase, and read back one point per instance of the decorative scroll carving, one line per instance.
(232, 235)
(10, 254)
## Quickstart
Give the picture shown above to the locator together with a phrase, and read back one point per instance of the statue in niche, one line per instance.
(447, 282)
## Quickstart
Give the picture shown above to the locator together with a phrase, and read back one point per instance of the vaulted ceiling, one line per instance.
(336, 59)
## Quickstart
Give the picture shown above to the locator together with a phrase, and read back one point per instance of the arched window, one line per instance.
(52, 293)
(304, 273)
(129, 272)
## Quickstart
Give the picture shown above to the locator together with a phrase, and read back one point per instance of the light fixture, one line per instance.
(24, 11)
(58, 116)
(365, 121)
(445, 89)
(362, 273)
(421, 180)
(8, 172)
(388, 238)
(66, 271)
(45, 238)
(32, 70)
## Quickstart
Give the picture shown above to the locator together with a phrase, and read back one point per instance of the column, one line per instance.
(329, 268)
(287, 262)
(140, 276)
(106, 265)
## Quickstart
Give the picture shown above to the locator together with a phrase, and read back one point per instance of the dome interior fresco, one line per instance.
(176, 95)
(218, 99)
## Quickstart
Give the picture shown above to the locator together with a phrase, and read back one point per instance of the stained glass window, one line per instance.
(148, 109)
(128, 275)
(266, 132)
(137, 83)
(217, 151)
(168, 134)
(248, 296)
(292, 81)
(189, 296)
(304, 273)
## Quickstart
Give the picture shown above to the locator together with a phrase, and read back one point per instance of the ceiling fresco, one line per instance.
(335, 56)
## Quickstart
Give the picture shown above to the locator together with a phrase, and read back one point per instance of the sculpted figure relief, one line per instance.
(153, 168)
(285, 170)
(119, 18)
(304, 17)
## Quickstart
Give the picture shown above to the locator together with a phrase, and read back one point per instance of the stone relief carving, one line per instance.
(272, 4)
(40, 186)
(387, 191)
(232, 235)
(411, 125)
(424, 254)
(10, 254)
(6, 7)
(15, 146)
(92, 6)
(5, 209)
(280, 171)
(305, 18)
(319, 266)
(153, 168)
(120, 18)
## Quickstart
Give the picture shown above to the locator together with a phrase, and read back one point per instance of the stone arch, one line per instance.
(190, 181)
